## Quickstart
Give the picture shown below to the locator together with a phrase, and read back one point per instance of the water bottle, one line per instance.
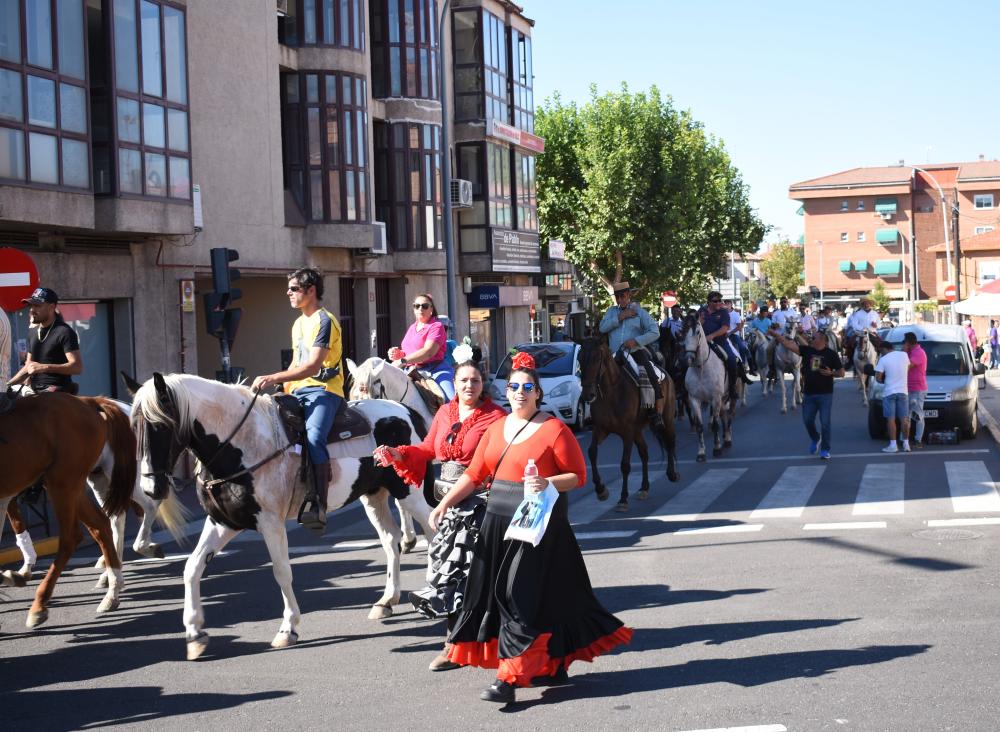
(530, 471)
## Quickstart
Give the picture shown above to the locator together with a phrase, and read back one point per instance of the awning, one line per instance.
(888, 266)
(845, 265)
(885, 205)
(861, 265)
(887, 236)
(802, 240)
(802, 210)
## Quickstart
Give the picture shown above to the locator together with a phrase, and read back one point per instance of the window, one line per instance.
(861, 236)
(408, 184)
(524, 99)
(503, 182)
(324, 131)
(44, 121)
(148, 111)
(404, 48)
(844, 237)
(983, 200)
(323, 23)
(983, 229)
(861, 204)
(481, 65)
(524, 189)
(845, 205)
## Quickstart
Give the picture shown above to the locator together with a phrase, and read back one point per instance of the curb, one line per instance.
(991, 424)
(43, 548)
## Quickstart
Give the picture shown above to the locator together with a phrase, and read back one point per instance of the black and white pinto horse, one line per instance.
(254, 481)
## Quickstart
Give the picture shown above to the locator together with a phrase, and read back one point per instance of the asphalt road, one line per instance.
(768, 590)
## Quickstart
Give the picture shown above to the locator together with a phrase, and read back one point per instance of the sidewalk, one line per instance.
(989, 405)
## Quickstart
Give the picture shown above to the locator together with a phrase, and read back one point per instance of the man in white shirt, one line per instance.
(860, 320)
(736, 335)
(892, 369)
(783, 313)
(807, 323)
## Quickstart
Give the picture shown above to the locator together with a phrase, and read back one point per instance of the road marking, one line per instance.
(837, 456)
(972, 488)
(584, 535)
(753, 728)
(964, 522)
(881, 490)
(845, 525)
(732, 529)
(790, 494)
(697, 497)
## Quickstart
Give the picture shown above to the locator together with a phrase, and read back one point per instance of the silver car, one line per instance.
(558, 366)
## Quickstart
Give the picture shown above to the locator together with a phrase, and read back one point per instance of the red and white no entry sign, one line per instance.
(18, 277)
(669, 299)
(949, 293)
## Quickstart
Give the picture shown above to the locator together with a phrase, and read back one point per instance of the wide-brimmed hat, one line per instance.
(621, 287)
(867, 300)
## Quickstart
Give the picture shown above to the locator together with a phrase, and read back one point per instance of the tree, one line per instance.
(880, 298)
(783, 268)
(752, 291)
(639, 191)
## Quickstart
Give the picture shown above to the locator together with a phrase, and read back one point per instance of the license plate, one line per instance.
(930, 413)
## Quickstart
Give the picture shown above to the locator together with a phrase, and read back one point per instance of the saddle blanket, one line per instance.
(661, 375)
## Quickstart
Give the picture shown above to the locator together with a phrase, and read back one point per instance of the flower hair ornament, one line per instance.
(462, 353)
(523, 360)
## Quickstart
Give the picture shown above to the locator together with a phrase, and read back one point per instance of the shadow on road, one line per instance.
(717, 634)
(636, 597)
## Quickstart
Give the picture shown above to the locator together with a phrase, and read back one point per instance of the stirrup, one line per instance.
(312, 514)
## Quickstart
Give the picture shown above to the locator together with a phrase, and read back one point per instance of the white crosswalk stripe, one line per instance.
(881, 490)
(694, 500)
(790, 494)
(972, 488)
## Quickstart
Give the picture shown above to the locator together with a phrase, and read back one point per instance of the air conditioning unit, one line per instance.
(282, 7)
(886, 216)
(461, 193)
(380, 243)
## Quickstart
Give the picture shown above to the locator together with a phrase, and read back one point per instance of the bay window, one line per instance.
(408, 184)
(404, 48)
(339, 23)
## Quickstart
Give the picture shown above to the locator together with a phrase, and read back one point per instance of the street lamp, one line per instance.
(449, 242)
(819, 243)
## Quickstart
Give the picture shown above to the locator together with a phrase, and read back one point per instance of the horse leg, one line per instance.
(99, 526)
(22, 538)
(143, 544)
(784, 398)
(643, 448)
(69, 537)
(694, 409)
(716, 423)
(626, 468)
(389, 534)
(409, 533)
(7, 577)
(596, 438)
(213, 538)
(273, 530)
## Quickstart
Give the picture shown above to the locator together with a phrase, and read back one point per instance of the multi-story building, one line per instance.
(135, 135)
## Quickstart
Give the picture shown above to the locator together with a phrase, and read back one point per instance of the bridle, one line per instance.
(596, 384)
(694, 355)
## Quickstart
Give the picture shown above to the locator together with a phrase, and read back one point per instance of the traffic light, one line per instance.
(223, 275)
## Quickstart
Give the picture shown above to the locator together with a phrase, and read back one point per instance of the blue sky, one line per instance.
(795, 89)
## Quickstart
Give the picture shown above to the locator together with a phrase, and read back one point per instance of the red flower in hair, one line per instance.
(523, 360)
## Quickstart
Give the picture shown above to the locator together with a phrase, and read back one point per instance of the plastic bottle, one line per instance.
(530, 471)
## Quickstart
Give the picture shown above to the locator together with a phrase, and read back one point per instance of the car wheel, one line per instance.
(876, 423)
(972, 430)
(578, 422)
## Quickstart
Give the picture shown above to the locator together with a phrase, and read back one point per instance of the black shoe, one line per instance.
(500, 692)
(559, 678)
(312, 514)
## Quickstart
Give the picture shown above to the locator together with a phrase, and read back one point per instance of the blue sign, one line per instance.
(484, 296)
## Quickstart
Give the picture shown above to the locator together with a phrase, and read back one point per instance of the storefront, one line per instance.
(495, 313)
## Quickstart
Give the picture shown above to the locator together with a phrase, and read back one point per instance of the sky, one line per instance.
(795, 90)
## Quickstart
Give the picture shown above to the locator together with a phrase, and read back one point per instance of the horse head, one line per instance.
(693, 338)
(594, 359)
(158, 423)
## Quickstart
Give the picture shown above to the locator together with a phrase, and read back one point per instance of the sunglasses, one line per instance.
(294, 288)
(450, 439)
(515, 386)
(421, 306)
(715, 301)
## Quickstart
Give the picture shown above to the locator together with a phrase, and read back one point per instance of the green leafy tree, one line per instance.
(640, 192)
(783, 268)
(880, 297)
(752, 291)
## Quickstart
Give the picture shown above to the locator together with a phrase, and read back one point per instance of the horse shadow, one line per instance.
(620, 598)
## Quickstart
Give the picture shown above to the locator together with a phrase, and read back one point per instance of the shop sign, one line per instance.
(501, 296)
(557, 249)
(559, 308)
(508, 133)
(484, 296)
(516, 251)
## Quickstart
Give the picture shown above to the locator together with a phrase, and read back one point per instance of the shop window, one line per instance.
(404, 48)
(408, 184)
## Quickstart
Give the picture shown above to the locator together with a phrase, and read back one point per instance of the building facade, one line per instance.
(136, 135)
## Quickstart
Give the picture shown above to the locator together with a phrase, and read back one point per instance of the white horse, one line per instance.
(864, 354)
(254, 481)
(788, 362)
(758, 350)
(705, 382)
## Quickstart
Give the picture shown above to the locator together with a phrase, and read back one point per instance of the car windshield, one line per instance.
(943, 358)
(550, 360)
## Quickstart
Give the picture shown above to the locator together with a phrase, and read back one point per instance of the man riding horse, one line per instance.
(630, 329)
(860, 321)
(715, 322)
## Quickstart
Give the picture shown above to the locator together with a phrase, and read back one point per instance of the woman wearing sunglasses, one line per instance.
(454, 434)
(529, 612)
(425, 346)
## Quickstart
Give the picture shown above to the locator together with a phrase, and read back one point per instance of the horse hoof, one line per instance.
(36, 619)
(700, 458)
(380, 612)
(727, 444)
(784, 411)
(674, 476)
(197, 647)
(642, 495)
(285, 639)
(602, 493)
(12, 579)
(716, 451)
(102, 582)
(158, 551)
(407, 545)
(622, 507)
(108, 604)
(100, 564)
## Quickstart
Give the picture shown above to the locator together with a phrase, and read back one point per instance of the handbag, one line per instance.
(451, 471)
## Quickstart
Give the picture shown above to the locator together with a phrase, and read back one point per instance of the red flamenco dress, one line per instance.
(543, 614)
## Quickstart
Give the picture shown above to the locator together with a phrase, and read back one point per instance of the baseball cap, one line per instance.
(41, 295)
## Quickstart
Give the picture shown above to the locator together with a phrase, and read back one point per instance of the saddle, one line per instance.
(348, 424)
(427, 388)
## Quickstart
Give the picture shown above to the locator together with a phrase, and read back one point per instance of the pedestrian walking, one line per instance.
(994, 346)
(820, 366)
(453, 437)
(916, 385)
(892, 370)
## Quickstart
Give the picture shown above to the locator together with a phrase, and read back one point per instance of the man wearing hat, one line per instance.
(629, 327)
(860, 321)
(53, 348)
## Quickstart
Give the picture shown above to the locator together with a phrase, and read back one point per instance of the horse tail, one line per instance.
(173, 516)
(123, 446)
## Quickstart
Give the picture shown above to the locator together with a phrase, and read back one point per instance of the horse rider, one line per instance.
(807, 323)
(715, 323)
(315, 379)
(675, 322)
(782, 314)
(53, 348)
(630, 328)
(761, 325)
(825, 320)
(736, 335)
(861, 320)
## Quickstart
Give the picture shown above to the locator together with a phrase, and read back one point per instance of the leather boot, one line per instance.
(312, 514)
(741, 369)
(656, 415)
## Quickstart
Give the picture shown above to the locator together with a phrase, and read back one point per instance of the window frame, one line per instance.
(861, 237)
(522, 116)
(845, 237)
(861, 205)
(845, 205)
(357, 22)
(25, 69)
(425, 46)
(984, 229)
(393, 200)
(488, 74)
(976, 201)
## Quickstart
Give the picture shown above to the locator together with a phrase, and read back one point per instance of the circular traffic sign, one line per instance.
(18, 278)
(949, 293)
(669, 299)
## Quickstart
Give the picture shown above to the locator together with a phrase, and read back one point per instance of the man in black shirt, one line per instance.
(820, 366)
(53, 349)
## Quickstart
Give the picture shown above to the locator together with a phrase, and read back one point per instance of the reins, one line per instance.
(232, 434)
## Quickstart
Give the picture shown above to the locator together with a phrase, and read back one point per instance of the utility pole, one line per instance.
(449, 242)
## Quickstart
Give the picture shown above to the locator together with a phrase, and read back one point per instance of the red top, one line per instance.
(553, 447)
(413, 467)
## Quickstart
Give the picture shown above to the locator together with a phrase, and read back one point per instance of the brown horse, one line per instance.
(60, 439)
(615, 409)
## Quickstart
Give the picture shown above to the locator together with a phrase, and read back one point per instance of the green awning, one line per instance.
(802, 210)
(888, 266)
(845, 265)
(802, 240)
(861, 265)
(885, 205)
(887, 236)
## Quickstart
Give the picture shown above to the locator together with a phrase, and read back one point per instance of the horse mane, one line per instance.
(183, 390)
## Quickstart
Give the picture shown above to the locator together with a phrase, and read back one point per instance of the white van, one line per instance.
(952, 380)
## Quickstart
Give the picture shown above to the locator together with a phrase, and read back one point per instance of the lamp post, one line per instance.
(952, 273)
(449, 242)
(819, 243)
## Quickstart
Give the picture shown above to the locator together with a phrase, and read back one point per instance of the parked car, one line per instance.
(558, 366)
(952, 380)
